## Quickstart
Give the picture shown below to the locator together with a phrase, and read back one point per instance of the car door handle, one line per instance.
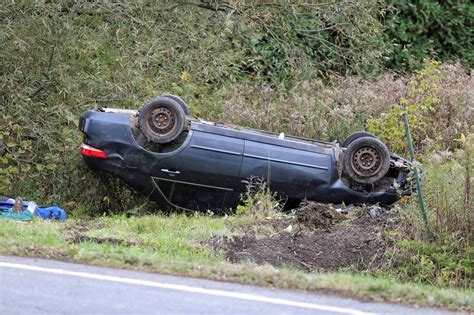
(165, 170)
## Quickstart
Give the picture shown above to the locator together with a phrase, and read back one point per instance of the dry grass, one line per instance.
(330, 112)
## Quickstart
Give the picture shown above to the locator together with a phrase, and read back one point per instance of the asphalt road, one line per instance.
(35, 286)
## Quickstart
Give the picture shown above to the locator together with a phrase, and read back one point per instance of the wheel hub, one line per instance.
(162, 121)
(366, 161)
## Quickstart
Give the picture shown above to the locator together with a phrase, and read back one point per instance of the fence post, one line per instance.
(416, 174)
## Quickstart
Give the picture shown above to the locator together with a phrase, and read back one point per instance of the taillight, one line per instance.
(88, 150)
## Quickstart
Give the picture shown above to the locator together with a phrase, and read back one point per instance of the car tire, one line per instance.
(161, 120)
(180, 101)
(354, 136)
(366, 160)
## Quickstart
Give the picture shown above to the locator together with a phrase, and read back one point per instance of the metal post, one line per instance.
(416, 174)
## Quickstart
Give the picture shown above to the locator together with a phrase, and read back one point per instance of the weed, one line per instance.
(445, 263)
(259, 201)
(448, 261)
(435, 119)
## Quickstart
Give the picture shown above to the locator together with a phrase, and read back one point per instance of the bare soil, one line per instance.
(317, 238)
(76, 233)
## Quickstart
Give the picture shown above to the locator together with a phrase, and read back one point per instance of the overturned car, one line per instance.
(192, 164)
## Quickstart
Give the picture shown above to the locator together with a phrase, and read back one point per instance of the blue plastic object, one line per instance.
(49, 213)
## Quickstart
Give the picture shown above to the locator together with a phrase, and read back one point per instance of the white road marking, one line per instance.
(229, 294)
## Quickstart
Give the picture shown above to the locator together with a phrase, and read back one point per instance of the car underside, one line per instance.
(191, 164)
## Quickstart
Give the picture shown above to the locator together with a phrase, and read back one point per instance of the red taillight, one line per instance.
(88, 150)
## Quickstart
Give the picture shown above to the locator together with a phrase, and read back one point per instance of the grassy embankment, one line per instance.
(176, 244)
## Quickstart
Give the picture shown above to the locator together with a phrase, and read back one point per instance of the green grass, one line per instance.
(177, 244)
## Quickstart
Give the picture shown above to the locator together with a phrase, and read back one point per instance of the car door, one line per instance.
(202, 176)
(292, 173)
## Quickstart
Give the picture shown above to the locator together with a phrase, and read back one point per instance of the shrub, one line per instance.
(292, 41)
(427, 28)
(436, 114)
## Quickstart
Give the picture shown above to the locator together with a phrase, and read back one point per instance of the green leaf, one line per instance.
(11, 142)
(51, 166)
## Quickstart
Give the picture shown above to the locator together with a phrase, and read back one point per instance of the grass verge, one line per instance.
(177, 245)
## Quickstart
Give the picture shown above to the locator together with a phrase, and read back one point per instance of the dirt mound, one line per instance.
(315, 215)
(318, 238)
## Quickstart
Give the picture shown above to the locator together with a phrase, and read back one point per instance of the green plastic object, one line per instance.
(416, 175)
(21, 216)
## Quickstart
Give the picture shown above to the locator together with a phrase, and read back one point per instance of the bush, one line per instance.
(427, 28)
(288, 42)
(437, 106)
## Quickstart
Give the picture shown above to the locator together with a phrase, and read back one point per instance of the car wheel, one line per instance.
(366, 160)
(180, 101)
(161, 120)
(354, 136)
